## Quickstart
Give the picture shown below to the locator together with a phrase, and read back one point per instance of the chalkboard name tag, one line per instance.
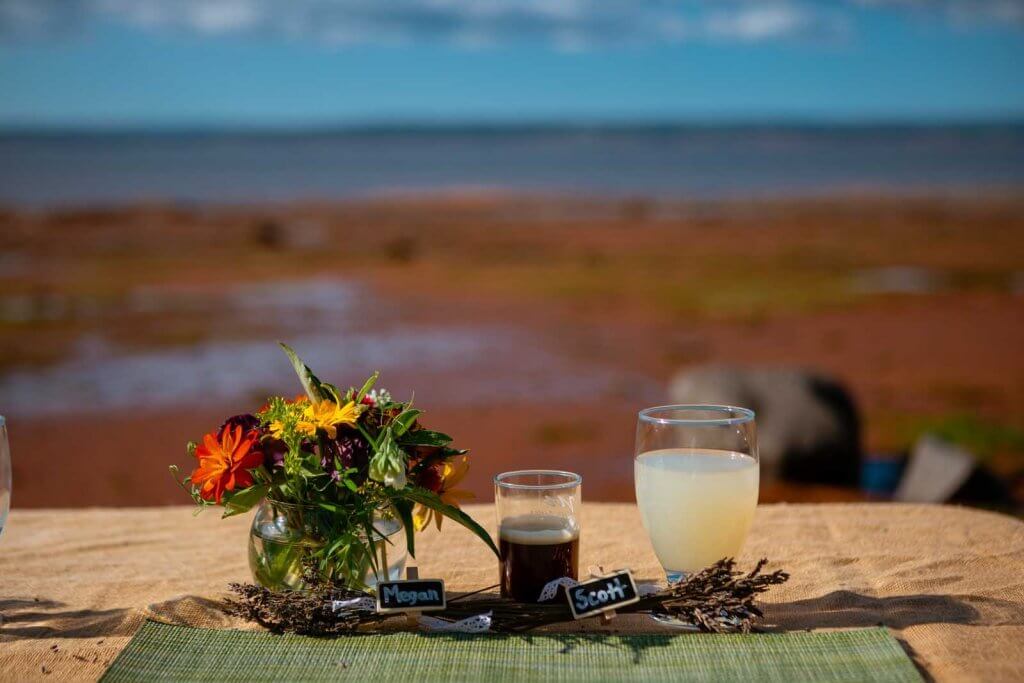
(601, 595)
(421, 595)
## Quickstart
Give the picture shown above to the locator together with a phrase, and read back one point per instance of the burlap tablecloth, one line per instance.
(949, 582)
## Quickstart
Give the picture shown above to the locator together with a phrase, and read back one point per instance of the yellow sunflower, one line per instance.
(327, 415)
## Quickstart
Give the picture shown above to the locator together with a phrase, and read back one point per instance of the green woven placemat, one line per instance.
(160, 652)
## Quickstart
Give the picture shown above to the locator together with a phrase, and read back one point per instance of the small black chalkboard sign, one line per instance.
(601, 595)
(421, 595)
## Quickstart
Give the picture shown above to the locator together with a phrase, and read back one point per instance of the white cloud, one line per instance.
(566, 24)
(759, 22)
(224, 16)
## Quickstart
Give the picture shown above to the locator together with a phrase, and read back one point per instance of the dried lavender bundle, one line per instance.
(718, 599)
(309, 613)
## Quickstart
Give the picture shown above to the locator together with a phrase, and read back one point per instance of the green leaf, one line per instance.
(330, 391)
(337, 547)
(404, 509)
(367, 385)
(425, 437)
(334, 545)
(368, 436)
(372, 538)
(430, 455)
(432, 501)
(310, 383)
(404, 420)
(244, 500)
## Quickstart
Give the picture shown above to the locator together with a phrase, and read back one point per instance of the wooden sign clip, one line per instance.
(411, 596)
(607, 616)
(602, 594)
(412, 616)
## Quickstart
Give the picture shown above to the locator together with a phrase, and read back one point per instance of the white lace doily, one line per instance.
(360, 604)
(550, 589)
(480, 623)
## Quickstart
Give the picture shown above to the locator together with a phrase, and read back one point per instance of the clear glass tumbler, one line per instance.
(538, 530)
(696, 474)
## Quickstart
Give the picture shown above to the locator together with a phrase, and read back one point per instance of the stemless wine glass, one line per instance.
(5, 474)
(696, 473)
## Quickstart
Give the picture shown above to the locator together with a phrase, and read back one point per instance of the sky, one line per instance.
(309, 63)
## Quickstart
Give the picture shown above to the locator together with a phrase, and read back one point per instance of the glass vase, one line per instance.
(285, 541)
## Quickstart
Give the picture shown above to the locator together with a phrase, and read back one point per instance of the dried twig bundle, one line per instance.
(718, 599)
(308, 613)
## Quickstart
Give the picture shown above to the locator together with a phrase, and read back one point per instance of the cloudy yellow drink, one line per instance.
(696, 504)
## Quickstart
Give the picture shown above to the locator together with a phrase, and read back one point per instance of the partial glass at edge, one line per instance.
(5, 474)
(696, 474)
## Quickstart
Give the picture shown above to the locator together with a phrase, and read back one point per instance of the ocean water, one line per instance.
(338, 326)
(47, 169)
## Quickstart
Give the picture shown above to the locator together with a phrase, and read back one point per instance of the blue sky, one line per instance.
(327, 62)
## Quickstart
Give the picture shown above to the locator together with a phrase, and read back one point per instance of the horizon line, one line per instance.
(483, 126)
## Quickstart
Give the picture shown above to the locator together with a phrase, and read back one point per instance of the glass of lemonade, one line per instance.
(697, 478)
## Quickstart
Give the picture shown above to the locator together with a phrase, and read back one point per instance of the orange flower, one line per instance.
(454, 471)
(224, 465)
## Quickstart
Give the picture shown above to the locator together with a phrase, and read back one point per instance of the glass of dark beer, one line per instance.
(538, 530)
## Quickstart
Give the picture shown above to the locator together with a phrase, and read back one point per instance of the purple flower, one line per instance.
(327, 453)
(353, 450)
(246, 421)
(273, 453)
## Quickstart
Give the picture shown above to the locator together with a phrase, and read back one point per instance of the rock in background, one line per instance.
(808, 426)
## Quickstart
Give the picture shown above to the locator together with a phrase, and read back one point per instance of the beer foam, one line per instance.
(538, 530)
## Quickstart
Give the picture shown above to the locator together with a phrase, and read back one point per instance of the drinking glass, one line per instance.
(538, 530)
(696, 474)
(5, 474)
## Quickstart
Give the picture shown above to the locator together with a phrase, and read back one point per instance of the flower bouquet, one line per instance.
(342, 479)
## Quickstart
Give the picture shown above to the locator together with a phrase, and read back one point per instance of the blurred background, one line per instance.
(543, 216)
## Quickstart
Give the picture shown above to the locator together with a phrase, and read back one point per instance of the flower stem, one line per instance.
(384, 559)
